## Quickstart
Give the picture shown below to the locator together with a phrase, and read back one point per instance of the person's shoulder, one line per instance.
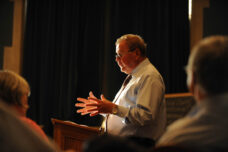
(28, 120)
(12, 130)
(35, 127)
(31, 123)
(150, 73)
(182, 131)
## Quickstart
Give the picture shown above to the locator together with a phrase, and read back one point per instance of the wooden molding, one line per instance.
(196, 25)
(12, 59)
(69, 135)
(176, 95)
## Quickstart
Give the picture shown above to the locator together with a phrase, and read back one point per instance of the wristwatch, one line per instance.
(115, 109)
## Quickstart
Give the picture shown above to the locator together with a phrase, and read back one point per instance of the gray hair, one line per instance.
(209, 62)
(133, 41)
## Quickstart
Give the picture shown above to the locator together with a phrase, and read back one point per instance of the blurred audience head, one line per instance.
(207, 67)
(108, 143)
(14, 90)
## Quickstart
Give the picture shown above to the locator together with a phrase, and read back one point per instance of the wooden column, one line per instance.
(12, 59)
(196, 25)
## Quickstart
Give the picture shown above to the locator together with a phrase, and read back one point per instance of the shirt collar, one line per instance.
(140, 67)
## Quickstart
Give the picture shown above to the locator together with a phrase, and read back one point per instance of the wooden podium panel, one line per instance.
(69, 135)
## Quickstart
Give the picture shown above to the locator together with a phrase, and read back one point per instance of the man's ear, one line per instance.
(191, 81)
(138, 52)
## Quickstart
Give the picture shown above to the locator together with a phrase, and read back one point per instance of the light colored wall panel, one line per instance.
(13, 55)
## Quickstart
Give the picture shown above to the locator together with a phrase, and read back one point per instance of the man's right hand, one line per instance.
(94, 106)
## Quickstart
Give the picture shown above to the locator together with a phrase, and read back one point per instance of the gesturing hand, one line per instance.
(94, 106)
(84, 101)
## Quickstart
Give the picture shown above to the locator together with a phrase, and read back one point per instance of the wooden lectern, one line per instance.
(69, 135)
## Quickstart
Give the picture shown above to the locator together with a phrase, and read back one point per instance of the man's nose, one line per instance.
(117, 59)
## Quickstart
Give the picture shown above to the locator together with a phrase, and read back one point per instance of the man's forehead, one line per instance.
(122, 47)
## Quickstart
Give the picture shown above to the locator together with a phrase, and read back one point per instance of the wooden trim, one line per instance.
(196, 24)
(12, 59)
(72, 124)
(174, 95)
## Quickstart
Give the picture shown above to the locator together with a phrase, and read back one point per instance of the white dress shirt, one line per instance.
(141, 105)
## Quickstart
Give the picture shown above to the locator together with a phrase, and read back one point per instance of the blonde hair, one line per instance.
(12, 87)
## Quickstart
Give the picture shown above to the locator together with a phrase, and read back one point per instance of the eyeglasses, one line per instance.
(118, 56)
(29, 94)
